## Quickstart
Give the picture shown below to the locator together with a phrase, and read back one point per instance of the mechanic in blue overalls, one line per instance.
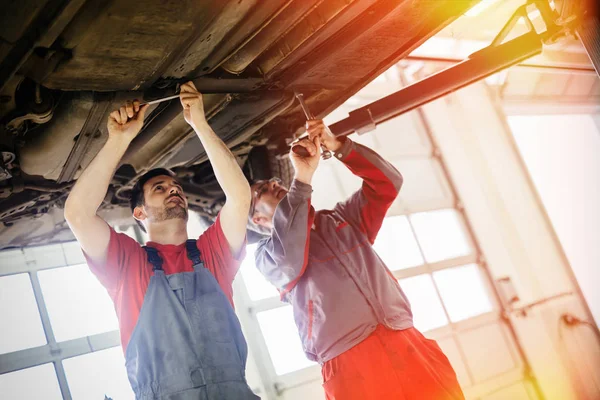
(173, 297)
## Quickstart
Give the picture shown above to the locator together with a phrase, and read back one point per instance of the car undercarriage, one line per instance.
(65, 65)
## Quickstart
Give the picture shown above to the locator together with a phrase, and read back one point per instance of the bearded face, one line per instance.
(174, 207)
(163, 200)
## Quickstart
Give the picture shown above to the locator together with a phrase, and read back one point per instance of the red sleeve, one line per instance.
(120, 253)
(216, 253)
(367, 207)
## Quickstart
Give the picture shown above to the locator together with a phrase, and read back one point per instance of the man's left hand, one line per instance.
(305, 166)
(193, 106)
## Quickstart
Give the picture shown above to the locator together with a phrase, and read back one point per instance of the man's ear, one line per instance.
(139, 214)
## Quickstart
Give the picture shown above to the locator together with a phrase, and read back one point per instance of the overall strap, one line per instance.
(193, 253)
(153, 258)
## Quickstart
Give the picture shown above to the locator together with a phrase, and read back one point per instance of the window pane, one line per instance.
(31, 384)
(463, 292)
(99, 374)
(77, 303)
(283, 341)
(73, 253)
(256, 284)
(19, 314)
(440, 234)
(427, 309)
(195, 225)
(326, 190)
(396, 244)
(15, 258)
(48, 256)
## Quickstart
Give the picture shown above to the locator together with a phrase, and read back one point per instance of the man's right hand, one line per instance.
(305, 167)
(126, 122)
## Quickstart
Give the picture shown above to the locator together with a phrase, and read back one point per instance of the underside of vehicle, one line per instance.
(65, 65)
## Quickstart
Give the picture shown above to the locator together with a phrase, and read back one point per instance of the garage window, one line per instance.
(78, 305)
(17, 290)
(282, 339)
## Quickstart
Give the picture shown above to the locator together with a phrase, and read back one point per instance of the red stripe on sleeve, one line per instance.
(378, 190)
(311, 218)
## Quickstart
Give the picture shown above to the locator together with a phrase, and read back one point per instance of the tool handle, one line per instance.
(301, 151)
(160, 100)
(304, 107)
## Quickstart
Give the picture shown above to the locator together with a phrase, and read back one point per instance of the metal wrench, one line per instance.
(301, 151)
(175, 96)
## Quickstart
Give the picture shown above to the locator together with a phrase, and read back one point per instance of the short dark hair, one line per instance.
(136, 198)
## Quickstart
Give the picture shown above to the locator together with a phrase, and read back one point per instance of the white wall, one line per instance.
(562, 155)
(518, 243)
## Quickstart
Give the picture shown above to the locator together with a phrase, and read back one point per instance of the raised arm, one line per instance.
(234, 214)
(282, 258)
(367, 207)
(91, 231)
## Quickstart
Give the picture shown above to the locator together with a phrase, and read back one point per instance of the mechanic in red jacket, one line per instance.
(173, 297)
(352, 316)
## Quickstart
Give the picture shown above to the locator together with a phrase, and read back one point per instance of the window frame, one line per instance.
(30, 261)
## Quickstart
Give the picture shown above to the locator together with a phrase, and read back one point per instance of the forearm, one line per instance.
(225, 166)
(378, 174)
(90, 189)
(381, 183)
(283, 257)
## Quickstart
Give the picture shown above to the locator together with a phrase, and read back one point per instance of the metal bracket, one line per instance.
(86, 136)
(365, 116)
(5, 159)
(523, 311)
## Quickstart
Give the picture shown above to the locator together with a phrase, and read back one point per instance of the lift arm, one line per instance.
(488, 61)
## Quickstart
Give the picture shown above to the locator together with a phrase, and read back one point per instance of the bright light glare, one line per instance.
(436, 47)
(569, 189)
(257, 286)
(479, 7)
(463, 292)
(195, 227)
(441, 234)
(98, 374)
(21, 324)
(447, 47)
(396, 244)
(77, 303)
(498, 79)
(32, 383)
(534, 14)
(426, 305)
(282, 339)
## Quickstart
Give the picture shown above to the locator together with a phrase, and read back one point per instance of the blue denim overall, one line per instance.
(187, 343)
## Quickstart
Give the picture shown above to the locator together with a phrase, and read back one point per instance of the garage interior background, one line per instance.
(493, 238)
